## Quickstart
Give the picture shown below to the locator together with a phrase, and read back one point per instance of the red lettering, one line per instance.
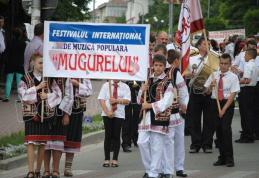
(71, 62)
(123, 61)
(99, 63)
(107, 61)
(82, 60)
(91, 68)
(62, 60)
(113, 65)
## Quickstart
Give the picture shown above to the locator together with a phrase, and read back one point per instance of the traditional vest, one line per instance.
(79, 102)
(171, 75)
(34, 110)
(155, 93)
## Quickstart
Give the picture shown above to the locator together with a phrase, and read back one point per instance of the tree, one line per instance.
(74, 10)
(251, 22)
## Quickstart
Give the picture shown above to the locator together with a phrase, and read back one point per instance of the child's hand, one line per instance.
(43, 95)
(65, 120)
(110, 114)
(144, 87)
(75, 82)
(41, 85)
(113, 101)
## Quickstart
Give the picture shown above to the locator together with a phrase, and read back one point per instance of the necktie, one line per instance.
(115, 95)
(220, 88)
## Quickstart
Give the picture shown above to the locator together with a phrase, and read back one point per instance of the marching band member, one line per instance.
(154, 126)
(57, 130)
(228, 87)
(32, 97)
(199, 106)
(174, 153)
(82, 89)
(113, 113)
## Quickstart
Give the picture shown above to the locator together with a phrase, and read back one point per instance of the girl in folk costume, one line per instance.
(113, 112)
(36, 132)
(57, 126)
(174, 153)
(154, 125)
(82, 89)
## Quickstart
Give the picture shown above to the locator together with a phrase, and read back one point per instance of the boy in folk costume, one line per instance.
(32, 96)
(227, 87)
(55, 146)
(82, 89)
(154, 126)
(174, 153)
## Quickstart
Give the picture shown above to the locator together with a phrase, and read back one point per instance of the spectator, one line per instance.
(35, 46)
(15, 61)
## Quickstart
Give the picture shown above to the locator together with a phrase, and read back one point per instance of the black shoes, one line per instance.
(207, 150)
(5, 100)
(126, 149)
(219, 162)
(244, 140)
(194, 150)
(230, 164)
(180, 173)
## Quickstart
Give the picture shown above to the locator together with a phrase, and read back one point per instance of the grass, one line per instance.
(12, 139)
(18, 138)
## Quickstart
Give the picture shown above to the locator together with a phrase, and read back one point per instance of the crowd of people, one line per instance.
(153, 116)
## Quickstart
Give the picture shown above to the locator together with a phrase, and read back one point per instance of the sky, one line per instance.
(97, 3)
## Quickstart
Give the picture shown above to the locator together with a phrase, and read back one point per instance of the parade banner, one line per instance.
(219, 36)
(96, 51)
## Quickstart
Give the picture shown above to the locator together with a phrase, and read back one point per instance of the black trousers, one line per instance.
(130, 124)
(112, 128)
(224, 130)
(202, 137)
(247, 111)
(256, 104)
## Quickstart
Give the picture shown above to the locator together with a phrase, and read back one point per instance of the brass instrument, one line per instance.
(208, 64)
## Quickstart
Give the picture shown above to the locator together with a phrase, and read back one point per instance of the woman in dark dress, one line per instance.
(14, 64)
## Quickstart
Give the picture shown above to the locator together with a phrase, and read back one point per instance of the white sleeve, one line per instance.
(55, 97)
(209, 80)
(68, 100)
(182, 88)
(165, 102)
(235, 87)
(27, 95)
(127, 92)
(248, 71)
(85, 89)
(140, 92)
(104, 92)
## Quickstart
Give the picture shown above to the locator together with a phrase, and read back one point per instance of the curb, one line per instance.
(18, 161)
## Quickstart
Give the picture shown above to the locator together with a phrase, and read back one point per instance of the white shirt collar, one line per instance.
(158, 77)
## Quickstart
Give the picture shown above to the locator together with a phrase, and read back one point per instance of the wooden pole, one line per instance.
(42, 104)
(110, 90)
(213, 77)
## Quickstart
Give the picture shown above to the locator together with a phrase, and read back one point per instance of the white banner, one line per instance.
(97, 51)
(219, 36)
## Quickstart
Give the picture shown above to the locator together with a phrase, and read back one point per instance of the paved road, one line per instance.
(88, 163)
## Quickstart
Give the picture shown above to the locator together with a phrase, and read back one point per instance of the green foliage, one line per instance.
(121, 19)
(12, 139)
(215, 23)
(66, 12)
(251, 22)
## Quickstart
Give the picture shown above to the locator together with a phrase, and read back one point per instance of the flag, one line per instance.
(190, 21)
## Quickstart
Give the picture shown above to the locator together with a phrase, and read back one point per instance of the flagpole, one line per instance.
(208, 54)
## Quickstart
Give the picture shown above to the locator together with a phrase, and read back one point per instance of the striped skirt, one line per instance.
(74, 133)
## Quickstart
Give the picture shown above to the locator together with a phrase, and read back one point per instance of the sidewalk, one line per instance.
(11, 115)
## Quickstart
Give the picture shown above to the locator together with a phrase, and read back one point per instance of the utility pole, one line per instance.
(171, 17)
(93, 11)
(208, 9)
(35, 12)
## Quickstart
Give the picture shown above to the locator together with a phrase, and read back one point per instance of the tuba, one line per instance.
(208, 65)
